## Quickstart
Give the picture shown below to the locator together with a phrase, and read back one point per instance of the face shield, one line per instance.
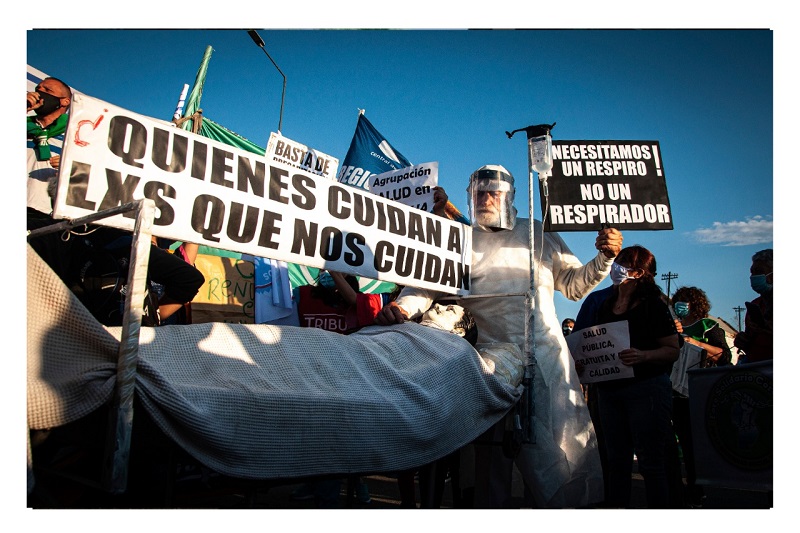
(491, 198)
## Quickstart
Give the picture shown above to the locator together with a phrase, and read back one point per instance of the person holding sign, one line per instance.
(49, 103)
(336, 303)
(177, 313)
(562, 467)
(691, 306)
(635, 412)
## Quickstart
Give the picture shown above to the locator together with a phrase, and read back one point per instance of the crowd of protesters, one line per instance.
(584, 451)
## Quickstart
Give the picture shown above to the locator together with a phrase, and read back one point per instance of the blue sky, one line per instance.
(706, 95)
(449, 96)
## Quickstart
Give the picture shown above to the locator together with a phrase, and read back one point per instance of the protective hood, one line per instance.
(490, 196)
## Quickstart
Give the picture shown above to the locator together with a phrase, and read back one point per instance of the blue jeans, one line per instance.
(636, 418)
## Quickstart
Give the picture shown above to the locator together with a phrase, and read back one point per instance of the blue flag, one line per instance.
(369, 153)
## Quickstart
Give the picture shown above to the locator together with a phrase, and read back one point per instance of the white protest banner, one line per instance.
(618, 183)
(296, 155)
(595, 350)
(211, 193)
(412, 186)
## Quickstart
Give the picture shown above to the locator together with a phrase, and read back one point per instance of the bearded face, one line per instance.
(491, 198)
(488, 208)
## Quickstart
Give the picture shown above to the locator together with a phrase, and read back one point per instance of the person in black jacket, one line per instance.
(635, 412)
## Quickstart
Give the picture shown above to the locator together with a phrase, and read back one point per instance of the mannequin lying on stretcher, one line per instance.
(505, 360)
(407, 393)
(262, 401)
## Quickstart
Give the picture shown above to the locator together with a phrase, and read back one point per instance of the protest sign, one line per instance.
(296, 155)
(227, 293)
(412, 186)
(616, 183)
(595, 351)
(217, 195)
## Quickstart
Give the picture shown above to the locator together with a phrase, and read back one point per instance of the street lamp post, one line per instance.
(260, 42)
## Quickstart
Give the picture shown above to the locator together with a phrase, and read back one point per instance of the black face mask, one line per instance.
(50, 103)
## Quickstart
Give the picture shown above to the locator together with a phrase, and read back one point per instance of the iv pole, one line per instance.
(540, 159)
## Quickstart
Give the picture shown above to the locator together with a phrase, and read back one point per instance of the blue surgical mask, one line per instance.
(681, 309)
(759, 283)
(326, 280)
(619, 274)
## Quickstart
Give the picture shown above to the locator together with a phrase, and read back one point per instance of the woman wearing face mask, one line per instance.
(756, 339)
(635, 412)
(691, 306)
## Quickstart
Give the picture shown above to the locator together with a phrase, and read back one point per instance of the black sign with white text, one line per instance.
(620, 184)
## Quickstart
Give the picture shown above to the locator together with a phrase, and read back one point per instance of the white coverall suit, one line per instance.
(562, 468)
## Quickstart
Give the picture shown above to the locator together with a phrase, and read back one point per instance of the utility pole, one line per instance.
(738, 310)
(669, 276)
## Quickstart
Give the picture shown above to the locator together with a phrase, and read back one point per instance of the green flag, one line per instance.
(298, 274)
(193, 104)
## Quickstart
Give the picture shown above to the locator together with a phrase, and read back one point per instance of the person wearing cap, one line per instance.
(561, 467)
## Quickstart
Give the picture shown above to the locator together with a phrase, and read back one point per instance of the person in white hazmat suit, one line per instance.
(561, 469)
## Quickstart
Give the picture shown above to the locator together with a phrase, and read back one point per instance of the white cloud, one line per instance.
(755, 230)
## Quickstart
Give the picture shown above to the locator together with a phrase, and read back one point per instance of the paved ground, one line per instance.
(197, 488)
(217, 493)
(385, 495)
